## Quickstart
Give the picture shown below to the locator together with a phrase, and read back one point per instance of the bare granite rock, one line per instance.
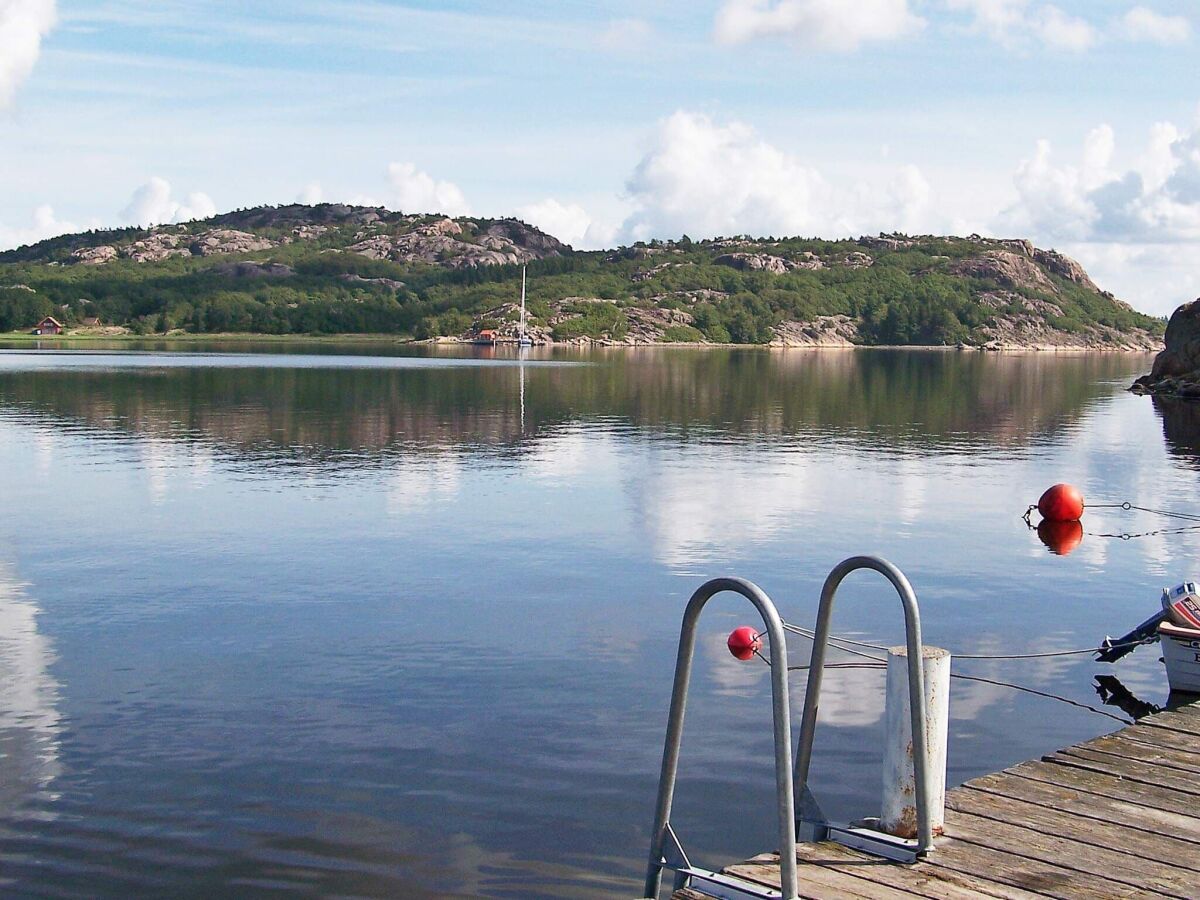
(442, 242)
(755, 262)
(894, 241)
(823, 331)
(95, 256)
(1176, 369)
(309, 232)
(158, 245)
(647, 274)
(228, 240)
(1013, 270)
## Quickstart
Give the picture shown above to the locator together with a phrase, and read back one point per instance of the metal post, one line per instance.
(782, 721)
(916, 684)
(898, 813)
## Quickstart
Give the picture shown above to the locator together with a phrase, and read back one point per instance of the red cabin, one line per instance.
(49, 325)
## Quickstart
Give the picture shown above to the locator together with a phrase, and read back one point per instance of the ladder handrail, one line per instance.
(782, 726)
(916, 684)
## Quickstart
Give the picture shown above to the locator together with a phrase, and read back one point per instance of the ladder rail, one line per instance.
(780, 709)
(916, 685)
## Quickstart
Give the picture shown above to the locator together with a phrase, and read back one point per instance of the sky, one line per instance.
(1075, 124)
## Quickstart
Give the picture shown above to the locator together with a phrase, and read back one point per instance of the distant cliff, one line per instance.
(333, 268)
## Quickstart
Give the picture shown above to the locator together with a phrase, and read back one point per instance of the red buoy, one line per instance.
(1061, 503)
(1060, 537)
(743, 642)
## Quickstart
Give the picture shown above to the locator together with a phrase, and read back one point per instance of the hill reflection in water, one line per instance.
(358, 417)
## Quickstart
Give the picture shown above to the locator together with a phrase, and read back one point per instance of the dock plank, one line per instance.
(1129, 770)
(1104, 823)
(1161, 737)
(1074, 852)
(1184, 720)
(1167, 757)
(1027, 874)
(1114, 817)
(917, 880)
(817, 882)
(1113, 786)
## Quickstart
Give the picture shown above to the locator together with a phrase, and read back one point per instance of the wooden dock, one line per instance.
(1114, 817)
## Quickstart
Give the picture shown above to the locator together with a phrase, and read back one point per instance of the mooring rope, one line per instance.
(876, 662)
(1128, 507)
(882, 664)
(839, 642)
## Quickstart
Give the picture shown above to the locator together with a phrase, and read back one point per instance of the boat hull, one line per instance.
(1181, 653)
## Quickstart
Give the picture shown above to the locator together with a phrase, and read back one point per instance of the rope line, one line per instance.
(1128, 507)
(879, 664)
(839, 643)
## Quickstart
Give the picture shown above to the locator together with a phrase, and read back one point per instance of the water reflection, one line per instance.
(1181, 426)
(406, 628)
(29, 696)
(299, 410)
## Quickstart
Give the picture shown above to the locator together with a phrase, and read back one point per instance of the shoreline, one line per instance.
(23, 337)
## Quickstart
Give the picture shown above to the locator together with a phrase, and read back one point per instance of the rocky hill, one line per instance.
(334, 268)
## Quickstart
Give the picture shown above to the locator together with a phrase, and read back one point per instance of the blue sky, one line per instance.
(1076, 124)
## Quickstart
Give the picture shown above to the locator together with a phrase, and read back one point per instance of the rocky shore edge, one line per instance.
(1176, 370)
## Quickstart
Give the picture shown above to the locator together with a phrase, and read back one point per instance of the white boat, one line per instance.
(1181, 653)
(1176, 626)
(1179, 635)
(523, 339)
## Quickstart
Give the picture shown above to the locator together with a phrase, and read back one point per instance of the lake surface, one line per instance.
(321, 621)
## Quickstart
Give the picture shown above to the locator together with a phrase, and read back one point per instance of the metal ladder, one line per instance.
(791, 786)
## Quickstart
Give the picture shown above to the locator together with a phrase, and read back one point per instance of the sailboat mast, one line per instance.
(522, 303)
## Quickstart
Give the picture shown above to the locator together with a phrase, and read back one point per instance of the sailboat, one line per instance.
(523, 339)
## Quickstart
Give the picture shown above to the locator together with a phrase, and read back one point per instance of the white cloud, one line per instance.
(996, 18)
(1155, 278)
(569, 222)
(704, 179)
(1157, 203)
(625, 35)
(1142, 24)
(819, 24)
(1060, 31)
(1014, 22)
(1135, 228)
(417, 192)
(311, 195)
(44, 225)
(23, 24)
(152, 204)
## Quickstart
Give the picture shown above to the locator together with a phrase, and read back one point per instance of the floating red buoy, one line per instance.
(1061, 503)
(743, 642)
(1060, 537)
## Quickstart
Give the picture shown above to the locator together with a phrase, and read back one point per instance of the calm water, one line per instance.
(320, 623)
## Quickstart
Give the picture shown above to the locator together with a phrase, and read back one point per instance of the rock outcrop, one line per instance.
(164, 243)
(755, 262)
(1011, 270)
(228, 240)
(1176, 370)
(95, 256)
(823, 331)
(158, 246)
(443, 242)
